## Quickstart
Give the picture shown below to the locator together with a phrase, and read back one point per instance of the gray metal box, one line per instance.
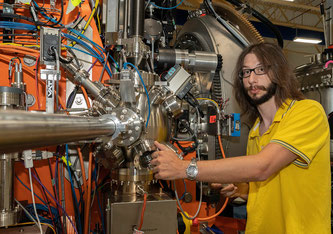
(160, 216)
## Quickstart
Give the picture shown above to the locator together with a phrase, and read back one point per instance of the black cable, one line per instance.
(15, 16)
(74, 56)
(64, 60)
(210, 8)
(194, 103)
(189, 149)
(268, 23)
(47, 199)
(261, 18)
(16, 34)
(81, 201)
(71, 97)
(53, 187)
(105, 62)
(61, 14)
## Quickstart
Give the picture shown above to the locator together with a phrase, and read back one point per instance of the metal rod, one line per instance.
(23, 130)
(137, 17)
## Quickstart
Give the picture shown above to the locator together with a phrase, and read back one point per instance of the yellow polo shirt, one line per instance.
(296, 199)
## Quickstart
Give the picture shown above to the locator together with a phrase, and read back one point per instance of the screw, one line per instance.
(78, 101)
(131, 138)
(124, 111)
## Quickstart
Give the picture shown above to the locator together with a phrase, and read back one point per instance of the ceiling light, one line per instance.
(307, 40)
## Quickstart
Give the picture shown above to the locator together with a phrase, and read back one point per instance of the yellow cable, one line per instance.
(208, 99)
(88, 22)
(50, 226)
(99, 25)
(20, 45)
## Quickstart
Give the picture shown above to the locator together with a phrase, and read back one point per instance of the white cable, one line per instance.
(27, 212)
(33, 201)
(174, 183)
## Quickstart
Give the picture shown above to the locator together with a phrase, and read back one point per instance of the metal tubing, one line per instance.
(81, 77)
(23, 130)
(194, 61)
(6, 182)
(137, 17)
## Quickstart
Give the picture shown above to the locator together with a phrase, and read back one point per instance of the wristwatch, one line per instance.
(192, 169)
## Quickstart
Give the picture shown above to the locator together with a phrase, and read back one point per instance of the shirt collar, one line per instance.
(286, 105)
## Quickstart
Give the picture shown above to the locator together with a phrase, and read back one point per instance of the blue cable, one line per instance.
(83, 44)
(85, 52)
(73, 191)
(42, 219)
(102, 60)
(30, 191)
(100, 49)
(144, 86)
(15, 25)
(184, 191)
(114, 61)
(167, 8)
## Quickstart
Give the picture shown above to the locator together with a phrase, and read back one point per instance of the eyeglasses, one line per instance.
(260, 70)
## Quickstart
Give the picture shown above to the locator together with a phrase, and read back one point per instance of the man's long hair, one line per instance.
(279, 72)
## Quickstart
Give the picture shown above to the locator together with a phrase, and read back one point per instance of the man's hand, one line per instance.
(232, 190)
(166, 164)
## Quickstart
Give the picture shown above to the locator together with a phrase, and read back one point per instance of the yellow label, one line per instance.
(76, 2)
(65, 160)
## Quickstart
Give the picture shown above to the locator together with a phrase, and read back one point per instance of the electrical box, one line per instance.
(49, 37)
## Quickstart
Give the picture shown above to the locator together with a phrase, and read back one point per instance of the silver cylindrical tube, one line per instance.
(194, 61)
(6, 182)
(24, 130)
(81, 77)
(137, 17)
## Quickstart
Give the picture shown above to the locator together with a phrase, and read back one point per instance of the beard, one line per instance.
(270, 92)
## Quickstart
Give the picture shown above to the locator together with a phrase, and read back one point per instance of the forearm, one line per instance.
(230, 170)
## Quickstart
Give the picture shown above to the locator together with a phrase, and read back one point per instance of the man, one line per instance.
(287, 163)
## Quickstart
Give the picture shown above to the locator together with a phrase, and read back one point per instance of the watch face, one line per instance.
(192, 172)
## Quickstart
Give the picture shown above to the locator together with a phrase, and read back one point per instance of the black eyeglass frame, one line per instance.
(266, 68)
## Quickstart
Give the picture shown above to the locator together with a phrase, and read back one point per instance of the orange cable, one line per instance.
(87, 210)
(226, 200)
(143, 210)
(221, 147)
(216, 214)
(85, 96)
(161, 184)
(16, 51)
(82, 171)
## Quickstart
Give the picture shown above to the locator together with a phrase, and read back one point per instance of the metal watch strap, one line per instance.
(192, 169)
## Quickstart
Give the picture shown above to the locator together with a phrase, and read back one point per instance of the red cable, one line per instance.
(143, 210)
(88, 200)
